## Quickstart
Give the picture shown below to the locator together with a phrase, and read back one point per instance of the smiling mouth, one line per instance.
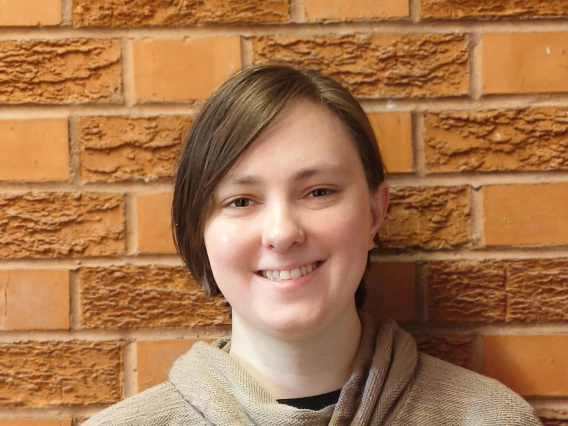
(303, 270)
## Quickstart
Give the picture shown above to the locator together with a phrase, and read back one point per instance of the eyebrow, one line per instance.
(302, 174)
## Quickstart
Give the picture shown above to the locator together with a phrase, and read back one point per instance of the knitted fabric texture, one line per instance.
(391, 384)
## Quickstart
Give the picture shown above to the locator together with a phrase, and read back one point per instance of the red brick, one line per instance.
(130, 148)
(42, 374)
(183, 69)
(497, 140)
(377, 65)
(147, 296)
(34, 150)
(60, 71)
(155, 359)
(466, 291)
(455, 9)
(453, 349)
(525, 214)
(153, 223)
(128, 13)
(524, 62)
(35, 422)
(390, 291)
(394, 135)
(59, 224)
(34, 300)
(339, 10)
(530, 365)
(30, 13)
(427, 217)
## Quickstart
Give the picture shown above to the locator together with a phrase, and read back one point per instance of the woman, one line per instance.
(278, 199)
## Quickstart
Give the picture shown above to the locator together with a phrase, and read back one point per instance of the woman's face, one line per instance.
(292, 223)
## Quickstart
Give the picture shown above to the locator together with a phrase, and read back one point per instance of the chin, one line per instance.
(294, 324)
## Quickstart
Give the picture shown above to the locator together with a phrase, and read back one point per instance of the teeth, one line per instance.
(287, 275)
(295, 273)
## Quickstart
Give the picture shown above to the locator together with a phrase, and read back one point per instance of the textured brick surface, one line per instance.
(34, 300)
(390, 291)
(34, 150)
(463, 291)
(317, 10)
(154, 360)
(497, 140)
(525, 214)
(454, 9)
(454, 349)
(132, 13)
(146, 296)
(530, 365)
(130, 148)
(537, 290)
(153, 223)
(183, 69)
(378, 65)
(511, 290)
(394, 135)
(35, 422)
(60, 71)
(61, 224)
(30, 13)
(39, 374)
(524, 62)
(427, 217)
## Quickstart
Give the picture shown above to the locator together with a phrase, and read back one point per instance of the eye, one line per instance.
(240, 203)
(320, 192)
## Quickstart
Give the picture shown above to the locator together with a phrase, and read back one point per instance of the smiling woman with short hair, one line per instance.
(278, 200)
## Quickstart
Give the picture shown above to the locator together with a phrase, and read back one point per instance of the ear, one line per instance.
(379, 206)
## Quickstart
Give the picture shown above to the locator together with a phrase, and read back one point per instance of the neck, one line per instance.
(309, 366)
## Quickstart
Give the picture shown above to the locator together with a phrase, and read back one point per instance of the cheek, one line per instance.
(227, 248)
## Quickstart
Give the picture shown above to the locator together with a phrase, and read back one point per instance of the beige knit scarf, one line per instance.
(383, 374)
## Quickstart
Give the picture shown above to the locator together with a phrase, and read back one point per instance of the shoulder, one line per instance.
(160, 405)
(460, 396)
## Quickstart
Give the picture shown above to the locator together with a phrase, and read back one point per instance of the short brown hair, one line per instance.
(230, 121)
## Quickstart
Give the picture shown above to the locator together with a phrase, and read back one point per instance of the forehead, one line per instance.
(305, 135)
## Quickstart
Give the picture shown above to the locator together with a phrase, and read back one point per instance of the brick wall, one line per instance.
(468, 97)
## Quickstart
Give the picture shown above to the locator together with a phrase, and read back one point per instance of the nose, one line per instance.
(282, 228)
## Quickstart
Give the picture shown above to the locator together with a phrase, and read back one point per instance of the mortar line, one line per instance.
(391, 26)
(298, 11)
(67, 13)
(74, 153)
(246, 51)
(394, 180)
(123, 336)
(130, 224)
(149, 109)
(475, 65)
(418, 145)
(74, 301)
(128, 72)
(414, 9)
(129, 379)
(476, 211)
(172, 260)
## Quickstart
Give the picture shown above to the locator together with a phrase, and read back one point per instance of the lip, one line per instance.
(294, 283)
